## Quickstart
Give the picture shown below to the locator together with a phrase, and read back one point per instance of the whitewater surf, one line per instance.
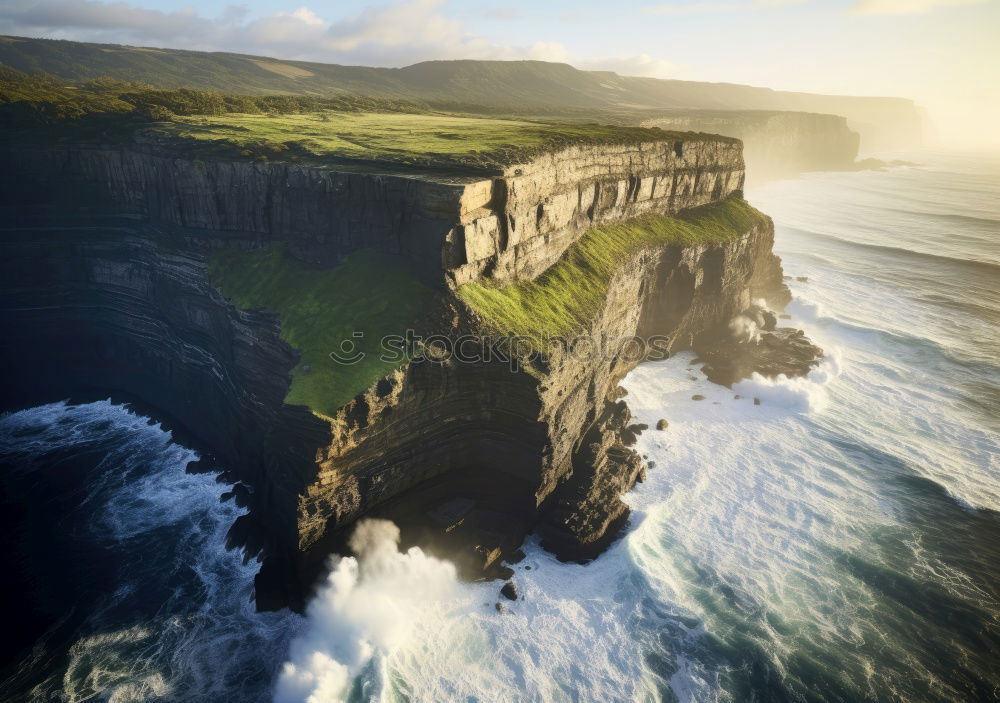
(833, 537)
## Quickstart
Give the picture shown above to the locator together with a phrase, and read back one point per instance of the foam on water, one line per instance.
(831, 542)
(369, 605)
(180, 625)
(838, 541)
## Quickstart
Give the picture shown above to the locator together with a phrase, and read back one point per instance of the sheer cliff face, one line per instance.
(511, 226)
(467, 456)
(777, 144)
(523, 223)
(498, 453)
(94, 306)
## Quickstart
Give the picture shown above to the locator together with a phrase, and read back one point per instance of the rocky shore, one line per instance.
(113, 294)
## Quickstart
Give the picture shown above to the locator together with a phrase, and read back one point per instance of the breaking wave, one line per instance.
(837, 539)
(176, 621)
(368, 606)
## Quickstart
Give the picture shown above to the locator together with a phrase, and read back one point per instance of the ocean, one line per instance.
(840, 541)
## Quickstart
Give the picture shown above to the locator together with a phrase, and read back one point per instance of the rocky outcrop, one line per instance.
(536, 210)
(776, 144)
(459, 228)
(755, 344)
(497, 454)
(111, 293)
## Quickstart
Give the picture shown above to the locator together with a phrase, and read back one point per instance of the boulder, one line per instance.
(517, 556)
(509, 591)
(770, 320)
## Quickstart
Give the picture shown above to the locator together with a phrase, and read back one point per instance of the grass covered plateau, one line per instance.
(565, 298)
(369, 293)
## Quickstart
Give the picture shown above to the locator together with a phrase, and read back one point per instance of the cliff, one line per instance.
(487, 448)
(112, 263)
(453, 226)
(776, 144)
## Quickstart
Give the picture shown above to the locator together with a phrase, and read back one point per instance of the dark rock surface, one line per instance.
(755, 344)
(111, 295)
(453, 227)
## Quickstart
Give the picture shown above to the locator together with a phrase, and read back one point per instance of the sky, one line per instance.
(944, 54)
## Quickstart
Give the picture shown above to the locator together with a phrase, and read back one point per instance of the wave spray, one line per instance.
(367, 605)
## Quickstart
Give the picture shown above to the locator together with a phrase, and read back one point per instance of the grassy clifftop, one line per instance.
(355, 131)
(431, 140)
(566, 297)
(319, 309)
(376, 295)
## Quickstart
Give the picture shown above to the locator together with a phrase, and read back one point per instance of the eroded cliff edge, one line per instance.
(112, 292)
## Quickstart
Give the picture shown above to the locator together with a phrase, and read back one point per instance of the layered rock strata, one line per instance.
(452, 227)
(496, 454)
(94, 306)
(111, 293)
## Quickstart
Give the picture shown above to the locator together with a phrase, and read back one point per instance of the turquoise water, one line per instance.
(838, 542)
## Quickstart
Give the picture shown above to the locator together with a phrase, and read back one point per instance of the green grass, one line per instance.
(369, 292)
(436, 140)
(565, 298)
(357, 131)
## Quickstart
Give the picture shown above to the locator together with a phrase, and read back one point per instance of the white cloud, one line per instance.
(547, 51)
(307, 16)
(502, 13)
(639, 65)
(394, 34)
(691, 8)
(113, 21)
(701, 7)
(906, 7)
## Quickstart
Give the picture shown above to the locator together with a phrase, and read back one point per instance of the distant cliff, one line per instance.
(775, 143)
(106, 258)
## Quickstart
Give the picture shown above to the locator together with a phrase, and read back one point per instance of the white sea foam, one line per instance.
(582, 632)
(744, 329)
(367, 606)
(759, 549)
(803, 393)
(204, 638)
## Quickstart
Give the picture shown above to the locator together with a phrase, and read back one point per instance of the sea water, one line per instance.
(838, 541)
